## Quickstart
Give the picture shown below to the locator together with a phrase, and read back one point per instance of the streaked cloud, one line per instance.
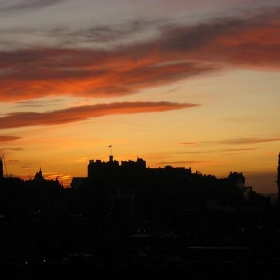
(12, 161)
(37, 103)
(190, 143)
(240, 150)
(16, 6)
(79, 113)
(234, 141)
(29, 74)
(13, 149)
(178, 52)
(7, 138)
(248, 141)
(124, 32)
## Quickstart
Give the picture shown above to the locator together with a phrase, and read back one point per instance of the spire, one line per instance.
(39, 175)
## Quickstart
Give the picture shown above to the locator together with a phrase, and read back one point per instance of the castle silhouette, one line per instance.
(154, 191)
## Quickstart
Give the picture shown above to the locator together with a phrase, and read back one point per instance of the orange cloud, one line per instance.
(241, 141)
(79, 113)
(85, 73)
(6, 138)
(239, 150)
(254, 47)
(189, 143)
(179, 52)
(236, 141)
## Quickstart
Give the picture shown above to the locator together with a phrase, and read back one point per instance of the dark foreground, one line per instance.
(160, 266)
(239, 244)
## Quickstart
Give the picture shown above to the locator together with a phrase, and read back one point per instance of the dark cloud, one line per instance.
(15, 6)
(108, 34)
(6, 138)
(79, 113)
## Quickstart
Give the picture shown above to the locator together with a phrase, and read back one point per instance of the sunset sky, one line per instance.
(187, 83)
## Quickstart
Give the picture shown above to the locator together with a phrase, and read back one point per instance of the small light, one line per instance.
(26, 262)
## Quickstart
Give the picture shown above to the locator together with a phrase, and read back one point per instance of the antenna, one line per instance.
(5, 166)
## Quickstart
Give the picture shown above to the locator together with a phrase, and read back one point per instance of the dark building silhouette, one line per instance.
(136, 173)
(100, 168)
(40, 181)
(39, 176)
(111, 173)
(77, 182)
(157, 192)
(237, 179)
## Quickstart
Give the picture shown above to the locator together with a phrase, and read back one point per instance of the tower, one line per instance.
(111, 158)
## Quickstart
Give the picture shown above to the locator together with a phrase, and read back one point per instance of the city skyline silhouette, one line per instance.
(127, 219)
(270, 191)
